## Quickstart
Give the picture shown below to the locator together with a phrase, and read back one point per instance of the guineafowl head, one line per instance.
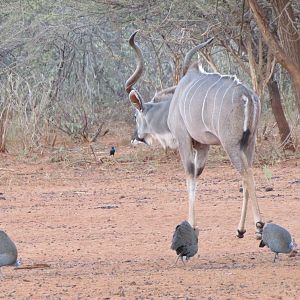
(293, 247)
(18, 263)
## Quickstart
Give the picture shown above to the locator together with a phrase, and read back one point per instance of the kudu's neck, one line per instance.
(157, 118)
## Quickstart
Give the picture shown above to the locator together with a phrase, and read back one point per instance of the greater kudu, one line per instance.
(206, 109)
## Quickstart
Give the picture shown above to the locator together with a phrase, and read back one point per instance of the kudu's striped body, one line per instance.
(206, 109)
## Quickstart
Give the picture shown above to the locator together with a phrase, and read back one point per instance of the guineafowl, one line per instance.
(278, 239)
(185, 241)
(8, 251)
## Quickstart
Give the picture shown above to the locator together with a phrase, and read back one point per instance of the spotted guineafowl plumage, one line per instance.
(8, 251)
(278, 239)
(185, 241)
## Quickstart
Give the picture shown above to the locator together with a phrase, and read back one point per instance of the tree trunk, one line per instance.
(4, 115)
(288, 34)
(2, 136)
(283, 126)
(282, 56)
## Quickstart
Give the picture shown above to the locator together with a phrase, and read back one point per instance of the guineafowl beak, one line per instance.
(262, 244)
(293, 253)
(293, 246)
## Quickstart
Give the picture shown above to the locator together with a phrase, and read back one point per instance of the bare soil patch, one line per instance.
(105, 229)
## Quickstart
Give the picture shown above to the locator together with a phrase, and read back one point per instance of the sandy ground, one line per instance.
(105, 228)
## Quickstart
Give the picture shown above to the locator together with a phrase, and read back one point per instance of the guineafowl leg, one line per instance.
(276, 256)
(181, 258)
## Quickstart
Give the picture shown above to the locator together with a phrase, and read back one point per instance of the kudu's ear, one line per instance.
(136, 100)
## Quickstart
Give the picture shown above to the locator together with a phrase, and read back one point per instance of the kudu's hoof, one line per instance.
(258, 235)
(260, 225)
(259, 230)
(240, 233)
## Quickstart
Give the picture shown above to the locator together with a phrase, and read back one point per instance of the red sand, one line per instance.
(105, 229)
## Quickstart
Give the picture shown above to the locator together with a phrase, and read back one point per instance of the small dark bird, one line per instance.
(278, 239)
(112, 151)
(8, 251)
(185, 241)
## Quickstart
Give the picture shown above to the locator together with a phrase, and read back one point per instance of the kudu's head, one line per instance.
(152, 117)
(147, 126)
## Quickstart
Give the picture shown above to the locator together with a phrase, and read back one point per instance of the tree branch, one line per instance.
(270, 39)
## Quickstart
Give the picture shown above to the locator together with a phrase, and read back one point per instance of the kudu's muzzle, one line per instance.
(136, 140)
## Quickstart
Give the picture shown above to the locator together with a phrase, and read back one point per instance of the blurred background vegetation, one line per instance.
(63, 63)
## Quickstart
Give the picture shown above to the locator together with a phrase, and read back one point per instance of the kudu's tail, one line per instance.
(251, 116)
(245, 139)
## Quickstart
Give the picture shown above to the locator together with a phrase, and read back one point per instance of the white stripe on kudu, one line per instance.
(190, 105)
(203, 105)
(187, 93)
(229, 87)
(246, 111)
(214, 107)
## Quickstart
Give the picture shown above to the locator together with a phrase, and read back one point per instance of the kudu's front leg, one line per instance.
(194, 159)
(241, 227)
(191, 186)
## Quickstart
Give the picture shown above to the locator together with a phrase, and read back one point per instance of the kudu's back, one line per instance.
(215, 109)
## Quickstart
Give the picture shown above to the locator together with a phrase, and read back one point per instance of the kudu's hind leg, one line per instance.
(243, 163)
(248, 179)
